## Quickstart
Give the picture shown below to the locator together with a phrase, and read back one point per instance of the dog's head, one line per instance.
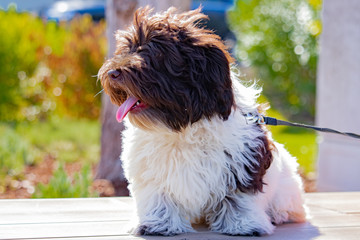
(167, 70)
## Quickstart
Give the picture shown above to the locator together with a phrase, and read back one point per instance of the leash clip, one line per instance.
(254, 119)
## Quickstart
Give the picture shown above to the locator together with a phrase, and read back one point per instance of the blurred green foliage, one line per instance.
(47, 99)
(48, 73)
(49, 68)
(62, 185)
(279, 39)
(301, 143)
(65, 141)
(15, 153)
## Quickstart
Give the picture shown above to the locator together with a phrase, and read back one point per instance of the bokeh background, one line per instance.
(50, 99)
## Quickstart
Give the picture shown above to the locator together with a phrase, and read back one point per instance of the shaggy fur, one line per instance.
(189, 153)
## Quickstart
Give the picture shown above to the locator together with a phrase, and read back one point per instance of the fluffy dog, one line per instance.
(189, 153)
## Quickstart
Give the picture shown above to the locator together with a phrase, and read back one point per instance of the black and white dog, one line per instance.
(189, 154)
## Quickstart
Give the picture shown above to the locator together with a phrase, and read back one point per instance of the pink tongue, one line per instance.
(125, 108)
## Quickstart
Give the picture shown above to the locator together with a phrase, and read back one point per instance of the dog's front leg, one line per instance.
(239, 214)
(160, 215)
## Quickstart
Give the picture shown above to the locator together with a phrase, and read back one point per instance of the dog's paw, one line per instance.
(160, 230)
(148, 230)
(248, 233)
(243, 230)
(236, 225)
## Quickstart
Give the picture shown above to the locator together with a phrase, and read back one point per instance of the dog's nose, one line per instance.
(114, 74)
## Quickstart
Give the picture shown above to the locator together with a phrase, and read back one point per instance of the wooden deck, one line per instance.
(334, 216)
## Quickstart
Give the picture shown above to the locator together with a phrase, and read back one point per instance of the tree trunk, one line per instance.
(119, 14)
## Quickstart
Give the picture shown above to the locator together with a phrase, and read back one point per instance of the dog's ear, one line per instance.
(218, 96)
(208, 66)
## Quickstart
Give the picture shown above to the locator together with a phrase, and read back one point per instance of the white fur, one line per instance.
(177, 178)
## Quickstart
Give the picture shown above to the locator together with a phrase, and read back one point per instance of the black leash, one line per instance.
(259, 119)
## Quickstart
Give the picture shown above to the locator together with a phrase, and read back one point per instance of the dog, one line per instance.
(189, 152)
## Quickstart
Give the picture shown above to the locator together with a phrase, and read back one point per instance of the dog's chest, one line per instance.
(191, 172)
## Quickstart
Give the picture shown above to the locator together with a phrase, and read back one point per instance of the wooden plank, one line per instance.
(315, 233)
(119, 228)
(343, 220)
(65, 210)
(347, 202)
(64, 204)
(335, 216)
(63, 230)
(61, 217)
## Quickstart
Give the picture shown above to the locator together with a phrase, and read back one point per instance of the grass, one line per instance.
(300, 143)
(65, 141)
(15, 152)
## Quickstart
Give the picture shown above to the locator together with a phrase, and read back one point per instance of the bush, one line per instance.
(15, 153)
(62, 185)
(48, 67)
(74, 81)
(279, 39)
(18, 53)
